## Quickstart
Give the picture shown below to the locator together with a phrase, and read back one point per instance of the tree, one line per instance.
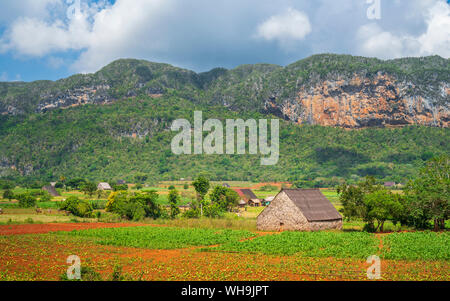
(75, 183)
(89, 188)
(174, 199)
(201, 185)
(352, 197)
(8, 194)
(428, 195)
(186, 186)
(26, 200)
(77, 207)
(225, 197)
(382, 205)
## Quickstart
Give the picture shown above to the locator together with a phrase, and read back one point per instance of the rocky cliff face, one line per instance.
(328, 90)
(357, 101)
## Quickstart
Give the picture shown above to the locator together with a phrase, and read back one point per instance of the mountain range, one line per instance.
(343, 117)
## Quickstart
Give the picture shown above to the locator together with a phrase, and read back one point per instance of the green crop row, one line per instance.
(417, 245)
(160, 237)
(310, 244)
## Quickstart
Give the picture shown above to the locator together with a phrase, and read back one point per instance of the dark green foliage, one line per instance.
(77, 207)
(201, 185)
(89, 188)
(120, 187)
(224, 197)
(26, 200)
(8, 194)
(428, 196)
(174, 200)
(135, 206)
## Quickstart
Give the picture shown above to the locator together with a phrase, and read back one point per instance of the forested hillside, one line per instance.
(116, 123)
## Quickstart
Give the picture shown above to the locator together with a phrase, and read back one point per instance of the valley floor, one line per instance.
(165, 254)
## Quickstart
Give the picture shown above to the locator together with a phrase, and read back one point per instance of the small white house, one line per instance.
(104, 186)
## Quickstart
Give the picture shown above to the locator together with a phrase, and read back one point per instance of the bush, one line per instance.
(186, 186)
(77, 207)
(171, 187)
(135, 206)
(121, 187)
(46, 197)
(192, 213)
(8, 194)
(26, 200)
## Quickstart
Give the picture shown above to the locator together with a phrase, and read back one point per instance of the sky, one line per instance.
(52, 39)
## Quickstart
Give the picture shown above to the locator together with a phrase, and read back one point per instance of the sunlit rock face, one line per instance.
(358, 101)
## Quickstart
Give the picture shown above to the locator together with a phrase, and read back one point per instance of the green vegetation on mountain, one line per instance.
(97, 143)
(115, 124)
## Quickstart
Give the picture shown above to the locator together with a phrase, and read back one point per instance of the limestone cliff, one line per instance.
(357, 102)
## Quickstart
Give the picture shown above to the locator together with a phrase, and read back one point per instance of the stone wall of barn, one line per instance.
(283, 215)
(325, 225)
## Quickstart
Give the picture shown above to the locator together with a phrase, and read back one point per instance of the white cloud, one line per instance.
(3, 77)
(292, 25)
(374, 41)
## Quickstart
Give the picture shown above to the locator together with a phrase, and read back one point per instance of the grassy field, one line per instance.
(229, 248)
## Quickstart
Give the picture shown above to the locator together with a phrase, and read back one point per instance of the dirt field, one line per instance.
(43, 257)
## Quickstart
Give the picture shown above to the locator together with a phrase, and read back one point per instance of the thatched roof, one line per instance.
(51, 189)
(313, 204)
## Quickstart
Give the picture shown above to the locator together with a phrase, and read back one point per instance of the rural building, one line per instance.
(389, 184)
(121, 182)
(248, 196)
(268, 200)
(51, 189)
(226, 185)
(301, 210)
(53, 184)
(104, 186)
(242, 203)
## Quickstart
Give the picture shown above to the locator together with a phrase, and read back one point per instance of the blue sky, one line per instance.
(51, 39)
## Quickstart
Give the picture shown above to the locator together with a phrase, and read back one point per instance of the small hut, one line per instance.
(104, 186)
(254, 203)
(268, 200)
(389, 184)
(51, 190)
(121, 182)
(242, 204)
(226, 185)
(299, 209)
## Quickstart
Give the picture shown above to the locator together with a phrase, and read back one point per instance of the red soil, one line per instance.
(46, 228)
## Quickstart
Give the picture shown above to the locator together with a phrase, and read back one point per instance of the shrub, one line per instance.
(77, 207)
(134, 206)
(46, 197)
(186, 186)
(26, 200)
(122, 187)
(8, 194)
(171, 187)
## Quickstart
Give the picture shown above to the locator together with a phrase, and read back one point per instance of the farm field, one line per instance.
(35, 245)
(173, 253)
